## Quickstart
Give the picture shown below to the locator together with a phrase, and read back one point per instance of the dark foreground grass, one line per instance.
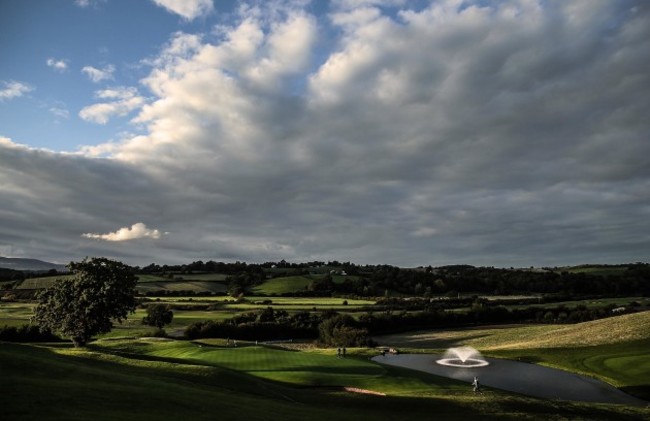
(59, 383)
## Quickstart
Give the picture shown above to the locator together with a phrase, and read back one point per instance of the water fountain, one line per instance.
(463, 357)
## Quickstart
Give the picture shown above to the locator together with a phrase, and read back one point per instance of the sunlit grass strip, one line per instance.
(283, 285)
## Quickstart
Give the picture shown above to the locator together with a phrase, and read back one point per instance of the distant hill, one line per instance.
(35, 265)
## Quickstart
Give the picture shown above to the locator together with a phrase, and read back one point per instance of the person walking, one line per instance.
(477, 385)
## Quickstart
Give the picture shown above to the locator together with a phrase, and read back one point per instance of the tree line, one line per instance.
(375, 281)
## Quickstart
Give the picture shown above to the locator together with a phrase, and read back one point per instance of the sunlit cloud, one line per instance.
(136, 231)
(123, 100)
(188, 9)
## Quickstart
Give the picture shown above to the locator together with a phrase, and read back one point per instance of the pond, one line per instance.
(520, 377)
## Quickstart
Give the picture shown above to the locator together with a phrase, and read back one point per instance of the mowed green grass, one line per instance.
(64, 384)
(154, 380)
(296, 368)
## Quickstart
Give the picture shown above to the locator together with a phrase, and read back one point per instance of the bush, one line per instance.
(342, 330)
(158, 315)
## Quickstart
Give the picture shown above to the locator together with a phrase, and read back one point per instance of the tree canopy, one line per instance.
(158, 315)
(100, 292)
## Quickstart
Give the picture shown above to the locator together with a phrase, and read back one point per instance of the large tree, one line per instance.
(100, 292)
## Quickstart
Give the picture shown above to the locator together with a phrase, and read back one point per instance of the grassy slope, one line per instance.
(68, 384)
(625, 328)
(286, 284)
(42, 282)
(185, 285)
(148, 379)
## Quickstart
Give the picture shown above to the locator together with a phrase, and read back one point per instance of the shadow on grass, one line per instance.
(641, 391)
(40, 383)
(532, 359)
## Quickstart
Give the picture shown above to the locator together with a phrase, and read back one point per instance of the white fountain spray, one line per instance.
(463, 357)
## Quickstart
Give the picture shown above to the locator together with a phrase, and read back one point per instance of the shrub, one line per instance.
(27, 333)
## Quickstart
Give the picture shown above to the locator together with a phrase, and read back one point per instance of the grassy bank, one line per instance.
(149, 379)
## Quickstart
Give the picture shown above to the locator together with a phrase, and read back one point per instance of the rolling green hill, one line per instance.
(198, 283)
(156, 380)
(625, 328)
(174, 286)
(283, 285)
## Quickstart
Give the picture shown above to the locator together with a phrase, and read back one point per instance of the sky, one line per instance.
(494, 133)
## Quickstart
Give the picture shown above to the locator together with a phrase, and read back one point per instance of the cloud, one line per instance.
(60, 112)
(86, 3)
(188, 9)
(124, 100)
(136, 231)
(383, 137)
(98, 75)
(497, 133)
(59, 65)
(13, 89)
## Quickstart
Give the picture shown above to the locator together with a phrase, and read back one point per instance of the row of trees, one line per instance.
(329, 327)
(427, 282)
(452, 280)
(332, 328)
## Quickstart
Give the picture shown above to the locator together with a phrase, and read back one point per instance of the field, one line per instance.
(126, 374)
(201, 283)
(152, 378)
(157, 379)
(283, 285)
(212, 283)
